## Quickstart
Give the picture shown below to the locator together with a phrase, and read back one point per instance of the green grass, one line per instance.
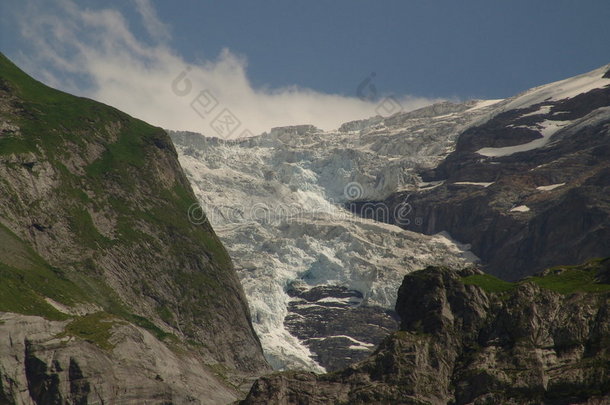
(149, 326)
(571, 279)
(26, 279)
(95, 328)
(82, 225)
(19, 298)
(489, 283)
(166, 315)
(125, 152)
(561, 279)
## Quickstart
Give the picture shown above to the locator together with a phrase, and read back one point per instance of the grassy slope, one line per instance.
(562, 279)
(49, 120)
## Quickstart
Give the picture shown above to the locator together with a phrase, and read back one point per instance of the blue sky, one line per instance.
(420, 51)
(471, 48)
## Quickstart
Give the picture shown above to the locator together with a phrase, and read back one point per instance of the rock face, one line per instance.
(41, 365)
(101, 269)
(336, 326)
(527, 187)
(468, 338)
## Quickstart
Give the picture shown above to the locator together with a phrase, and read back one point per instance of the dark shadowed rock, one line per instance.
(334, 324)
(544, 207)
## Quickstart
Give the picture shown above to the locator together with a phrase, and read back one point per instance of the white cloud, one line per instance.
(142, 78)
(155, 28)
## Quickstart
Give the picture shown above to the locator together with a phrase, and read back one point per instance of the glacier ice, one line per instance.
(277, 201)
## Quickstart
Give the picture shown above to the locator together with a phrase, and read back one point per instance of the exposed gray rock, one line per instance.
(335, 325)
(40, 366)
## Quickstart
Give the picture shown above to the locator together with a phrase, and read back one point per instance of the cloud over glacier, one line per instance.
(94, 52)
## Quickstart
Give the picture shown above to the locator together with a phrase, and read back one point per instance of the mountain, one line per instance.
(524, 183)
(470, 338)
(116, 288)
(528, 187)
(108, 292)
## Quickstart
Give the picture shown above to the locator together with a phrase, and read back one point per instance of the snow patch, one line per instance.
(335, 300)
(543, 110)
(546, 128)
(473, 183)
(520, 208)
(354, 347)
(428, 185)
(355, 341)
(550, 187)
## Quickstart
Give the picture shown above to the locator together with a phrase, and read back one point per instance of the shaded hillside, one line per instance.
(98, 251)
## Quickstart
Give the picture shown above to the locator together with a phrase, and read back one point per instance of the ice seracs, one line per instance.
(277, 202)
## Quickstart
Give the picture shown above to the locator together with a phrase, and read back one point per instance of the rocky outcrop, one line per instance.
(468, 338)
(42, 365)
(334, 324)
(96, 245)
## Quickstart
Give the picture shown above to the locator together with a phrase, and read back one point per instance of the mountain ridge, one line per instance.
(507, 163)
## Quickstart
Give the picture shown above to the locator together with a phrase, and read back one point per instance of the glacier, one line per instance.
(278, 202)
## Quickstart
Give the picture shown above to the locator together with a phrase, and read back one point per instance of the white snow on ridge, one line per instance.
(550, 187)
(485, 103)
(560, 90)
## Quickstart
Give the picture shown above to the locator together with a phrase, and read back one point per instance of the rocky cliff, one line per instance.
(470, 338)
(108, 292)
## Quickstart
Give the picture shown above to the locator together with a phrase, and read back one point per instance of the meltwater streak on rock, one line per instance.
(275, 201)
